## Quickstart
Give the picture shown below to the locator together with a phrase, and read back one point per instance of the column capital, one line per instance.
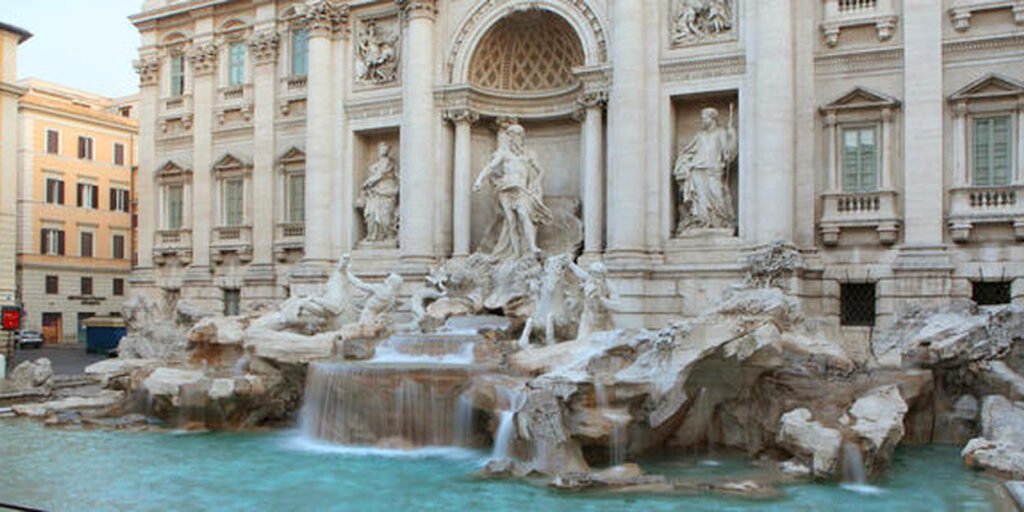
(263, 46)
(830, 118)
(462, 115)
(203, 57)
(960, 109)
(587, 101)
(886, 115)
(325, 17)
(148, 68)
(418, 8)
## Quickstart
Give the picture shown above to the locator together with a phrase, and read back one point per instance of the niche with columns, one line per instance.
(366, 154)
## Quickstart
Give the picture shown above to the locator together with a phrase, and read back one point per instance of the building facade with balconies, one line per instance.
(74, 231)
(879, 138)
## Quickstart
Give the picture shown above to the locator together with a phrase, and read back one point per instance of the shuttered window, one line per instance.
(86, 286)
(85, 148)
(88, 195)
(296, 198)
(85, 244)
(118, 246)
(992, 151)
(54, 191)
(53, 142)
(119, 200)
(118, 153)
(860, 159)
(233, 202)
(236, 64)
(300, 52)
(118, 286)
(174, 207)
(51, 242)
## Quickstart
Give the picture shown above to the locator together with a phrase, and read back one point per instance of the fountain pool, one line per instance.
(109, 470)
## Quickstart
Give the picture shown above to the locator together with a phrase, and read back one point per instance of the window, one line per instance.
(86, 286)
(990, 293)
(88, 195)
(118, 287)
(177, 74)
(296, 198)
(85, 244)
(118, 249)
(300, 52)
(52, 285)
(992, 151)
(236, 64)
(85, 148)
(233, 202)
(118, 153)
(174, 206)
(119, 200)
(860, 157)
(51, 242)
(232, 301)
(53, 142)
(54, 191)
(857, 304)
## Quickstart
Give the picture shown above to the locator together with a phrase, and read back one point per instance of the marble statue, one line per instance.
(517, 180)
(308, 315)
(382, 299)
(700, 19)
(376, 55)
(379, 198)
(599, 299)
(705, 200)
(555, 307)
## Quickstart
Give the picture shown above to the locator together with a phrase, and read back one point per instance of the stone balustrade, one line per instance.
(840, 14)
(231, 239)
(849, 210)
(172, 242)
(970, 206)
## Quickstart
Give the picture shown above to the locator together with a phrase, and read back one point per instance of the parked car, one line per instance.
(29, 339)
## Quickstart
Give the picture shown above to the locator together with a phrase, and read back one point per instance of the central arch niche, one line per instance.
(522, 70)
(528, 51)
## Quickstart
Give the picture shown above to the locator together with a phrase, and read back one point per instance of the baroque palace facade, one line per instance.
(879, 138)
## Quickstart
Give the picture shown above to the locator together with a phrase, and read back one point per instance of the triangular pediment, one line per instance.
(861, 97)
(989, 86)
(172, 168)
(230, 161)
(293, 155)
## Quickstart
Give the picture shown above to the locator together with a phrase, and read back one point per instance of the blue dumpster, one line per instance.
(103, 333)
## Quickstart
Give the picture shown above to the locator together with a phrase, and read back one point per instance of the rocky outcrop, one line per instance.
(30, 376)
(1001, 445)
(799, 433)
(878, 423)
(100, 401)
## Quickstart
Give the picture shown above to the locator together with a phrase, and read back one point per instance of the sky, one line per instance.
(84, 44)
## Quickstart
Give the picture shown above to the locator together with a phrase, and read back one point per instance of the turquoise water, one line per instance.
(100, 470)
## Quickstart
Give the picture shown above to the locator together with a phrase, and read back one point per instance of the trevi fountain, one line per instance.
(615, 287)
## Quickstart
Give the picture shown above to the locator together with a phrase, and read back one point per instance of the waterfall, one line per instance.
(393, 405)
(616, 437)
(503, 440)
(854, 477)
(465, 416)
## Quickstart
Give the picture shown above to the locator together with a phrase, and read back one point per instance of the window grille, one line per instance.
(990, 293)
(857, 304)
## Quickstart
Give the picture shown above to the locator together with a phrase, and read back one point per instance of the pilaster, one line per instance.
(203, 58)
(263, 47)
(148, 67)
(462, 184)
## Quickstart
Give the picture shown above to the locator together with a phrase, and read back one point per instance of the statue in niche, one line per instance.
(517, 180)
(705, 200)
(599, 299)
(379, 198)
(697, 20)
(376, 57)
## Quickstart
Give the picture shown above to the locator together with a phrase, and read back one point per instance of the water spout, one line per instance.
(854, 476)
(503, 440)
(616, 436)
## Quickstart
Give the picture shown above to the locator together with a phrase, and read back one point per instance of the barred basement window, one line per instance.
(990, 293)
(232, 302)
(857, 304)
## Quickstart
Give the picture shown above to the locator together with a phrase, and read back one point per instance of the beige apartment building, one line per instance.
(74, 237)
(880, 139)
(10, 38)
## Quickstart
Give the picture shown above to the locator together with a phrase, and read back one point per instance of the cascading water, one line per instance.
(503, 440)
(411, 394)
(616, 437)
(854, 476)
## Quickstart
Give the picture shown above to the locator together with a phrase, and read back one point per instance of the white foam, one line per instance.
(299, 442)
(865, 489)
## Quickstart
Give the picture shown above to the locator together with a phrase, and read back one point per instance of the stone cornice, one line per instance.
(263, 46)
(126, 125)
(174, 9)
(678, 70)
(964, 49)
(14, 90)
(862, 61)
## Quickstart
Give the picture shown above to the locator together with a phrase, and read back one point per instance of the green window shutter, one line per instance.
(1001, 129)
(297, 198)
(233, 202)
(300, 52)
(859, 160)
(236, 64)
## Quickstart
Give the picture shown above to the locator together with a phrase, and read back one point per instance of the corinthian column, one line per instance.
(416, 234)
(462, 185)
(263, 48)
(627, 134)
(592, 193)
(148, 68)
(322, 19)
(203, 58)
